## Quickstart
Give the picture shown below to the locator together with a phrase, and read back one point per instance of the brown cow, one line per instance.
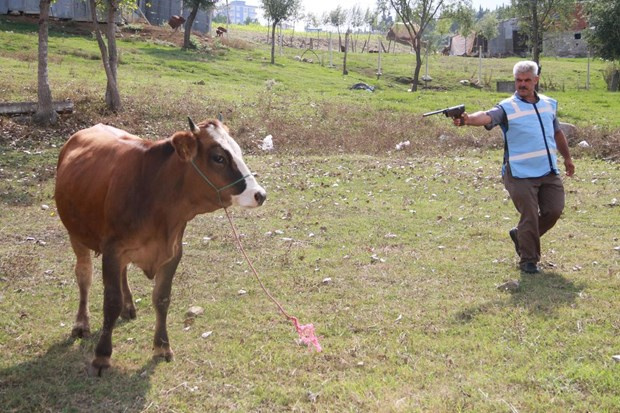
(130, 199)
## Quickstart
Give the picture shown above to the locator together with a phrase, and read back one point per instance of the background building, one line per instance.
(238, 12)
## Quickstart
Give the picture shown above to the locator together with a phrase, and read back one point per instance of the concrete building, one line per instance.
(509, 42)
(238, 12)
(568, 43)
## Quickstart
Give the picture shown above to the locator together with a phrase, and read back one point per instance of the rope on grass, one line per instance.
(306, 332)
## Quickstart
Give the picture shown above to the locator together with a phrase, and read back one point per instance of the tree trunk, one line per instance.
(418, 66)
(273, 41)
(188, 27)
(210, 11)
(346, 49)
(113, 98)
(45, 115)
(535, 31)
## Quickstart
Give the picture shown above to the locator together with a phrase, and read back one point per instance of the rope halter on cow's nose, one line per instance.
(217, 190)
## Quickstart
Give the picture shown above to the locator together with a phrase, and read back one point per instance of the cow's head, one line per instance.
(217, 161)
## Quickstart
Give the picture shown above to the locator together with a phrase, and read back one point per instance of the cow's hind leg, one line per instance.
(112, 306)
(129, 309)
(84, 275)
(161, 301)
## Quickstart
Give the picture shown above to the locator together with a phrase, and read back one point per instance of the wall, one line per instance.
(565, 44)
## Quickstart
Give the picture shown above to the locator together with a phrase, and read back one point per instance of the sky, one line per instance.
(318, 7)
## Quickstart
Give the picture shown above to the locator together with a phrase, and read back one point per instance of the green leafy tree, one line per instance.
(505, 12)
(338, 18)
(488, 27)
(194, 6)
(539, 16)
(385, 19)
(277, 11)
(604, 35)
(371, 19)
(356, 22)
(416, 15)
(465, 16)
(45, 114)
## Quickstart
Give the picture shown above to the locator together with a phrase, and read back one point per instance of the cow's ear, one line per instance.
(192, 126)
(185, 145)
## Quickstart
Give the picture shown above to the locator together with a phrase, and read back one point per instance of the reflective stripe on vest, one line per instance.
(530, 136)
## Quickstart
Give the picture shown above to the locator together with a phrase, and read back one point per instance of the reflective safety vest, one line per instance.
(529, 137)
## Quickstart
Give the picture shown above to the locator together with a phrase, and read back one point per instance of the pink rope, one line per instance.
(306, 332)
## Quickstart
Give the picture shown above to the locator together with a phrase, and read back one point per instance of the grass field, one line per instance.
(415, 243)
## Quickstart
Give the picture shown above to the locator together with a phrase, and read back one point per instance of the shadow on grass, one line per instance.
(57, 381)
(540, 294)
(544, 292)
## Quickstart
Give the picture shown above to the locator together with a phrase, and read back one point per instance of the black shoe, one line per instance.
(515, 240)
(530, 268)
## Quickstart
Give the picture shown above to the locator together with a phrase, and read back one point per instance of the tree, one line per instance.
(45, 114)
(109, 53)
(194, 6)
(488, 28)
(276, 11)
(539, 16)
(604, 36)
(383, 9)
(464, 16)
(338, 18)
(355, 23)
(371, 18)
(416, 16)
(296, 15)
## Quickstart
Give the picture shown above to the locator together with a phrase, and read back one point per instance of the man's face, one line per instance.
(525, 84)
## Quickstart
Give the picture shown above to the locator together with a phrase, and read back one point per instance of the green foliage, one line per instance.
(194, 43)
(487, 26)
(604, 37)
(539, 16)
(464, 16)
(278, 10)
(134, 27)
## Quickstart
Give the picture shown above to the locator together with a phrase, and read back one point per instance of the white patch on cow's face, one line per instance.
(254, 194)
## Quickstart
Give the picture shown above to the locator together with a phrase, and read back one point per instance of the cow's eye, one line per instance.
(218, 159)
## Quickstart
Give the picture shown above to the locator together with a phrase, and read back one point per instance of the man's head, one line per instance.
(526, 79)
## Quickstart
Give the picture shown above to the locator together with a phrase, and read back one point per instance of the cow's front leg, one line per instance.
(112, 305)
(129, 309)
(161, 302)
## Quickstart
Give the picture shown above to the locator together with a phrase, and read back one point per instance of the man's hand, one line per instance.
(461, 121)
(570, 167)
(475, 119)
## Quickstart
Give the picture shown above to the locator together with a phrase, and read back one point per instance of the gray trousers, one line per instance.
(540, 201)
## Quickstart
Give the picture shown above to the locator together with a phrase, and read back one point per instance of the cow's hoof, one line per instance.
(80, 331)
(162, 353)
(128, 313)
(98, 365)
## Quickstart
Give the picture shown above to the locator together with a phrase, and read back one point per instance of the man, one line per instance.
(532, 137)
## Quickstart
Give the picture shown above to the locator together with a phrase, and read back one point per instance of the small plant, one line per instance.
(194, 43)
(134, 27)
(609, 72)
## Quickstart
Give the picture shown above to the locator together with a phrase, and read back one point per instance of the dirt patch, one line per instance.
(147, 32)
(143, 31)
